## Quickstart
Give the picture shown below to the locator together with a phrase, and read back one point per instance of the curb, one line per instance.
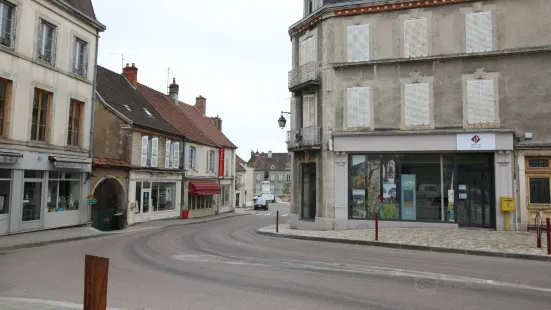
(533, 257)
(106, 234)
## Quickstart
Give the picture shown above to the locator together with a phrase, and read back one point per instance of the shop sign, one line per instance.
(221, 162)
(70, 165)
(476, 142)
(9, 159)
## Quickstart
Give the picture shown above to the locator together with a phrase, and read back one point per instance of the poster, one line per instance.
(408, 197)
(451, 205)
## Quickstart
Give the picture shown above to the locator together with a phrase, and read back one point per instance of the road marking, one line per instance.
(53, 303)
(285, 214)
(351, 268)
(267, 213)
(257, 214)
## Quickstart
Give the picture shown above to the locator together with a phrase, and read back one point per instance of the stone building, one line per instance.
(428, 111)
(273, 167)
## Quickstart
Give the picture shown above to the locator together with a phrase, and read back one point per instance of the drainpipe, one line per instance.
(182, 196)
(91, 147)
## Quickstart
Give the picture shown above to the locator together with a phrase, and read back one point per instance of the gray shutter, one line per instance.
(362, 47)
(168, 153)
(85, 60)
(154, 151)
(351, 42)
(408, 38)
(471, 39)
(422, 37)
(487, 105)
(417, 104)
(485, 34)
(145, 146)
(208, 161)
(302, 50)
(352, 101)
(14, 26)
(364, 107)
(54, 45)
(216, 161)
(473, 101)
(186, 157)
(176, 155)
(423, 103)
(313, 111)
(305, 112)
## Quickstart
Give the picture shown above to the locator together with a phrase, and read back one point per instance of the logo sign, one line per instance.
(221, 162)
(476, 139)
(476, 142)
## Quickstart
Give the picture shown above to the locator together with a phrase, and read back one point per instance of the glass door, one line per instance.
(474, 205)
(146, 204)
(31, 210)
(308, 184)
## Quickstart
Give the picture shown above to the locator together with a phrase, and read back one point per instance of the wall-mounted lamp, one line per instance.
(282, 121)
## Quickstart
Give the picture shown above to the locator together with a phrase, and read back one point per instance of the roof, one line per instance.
(186, 118)
(279, 161)
(118, 93)
(84, 6)
(110, 162)
(240, 164)
(176, 117)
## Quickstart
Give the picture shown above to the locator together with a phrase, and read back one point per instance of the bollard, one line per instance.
(548, 237)
(538, 231)
(377, 226)
(277, 221)
(96, 271)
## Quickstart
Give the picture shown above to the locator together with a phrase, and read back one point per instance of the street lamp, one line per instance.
(282, 121)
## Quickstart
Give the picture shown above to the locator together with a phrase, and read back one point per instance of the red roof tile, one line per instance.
(109, 162)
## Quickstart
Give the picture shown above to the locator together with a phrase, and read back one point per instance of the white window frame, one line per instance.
(272, 177)
(192, 158)
(479, 103)
(145, 148)
(80, 57)
(168, 153)
(13, 24)
(210, 161)
(358, 43)
(280, 177)
(258, 178)
(41, 46)
(414, 105)
(309, 104)
(359, 107)
(154, 152)
(416, 46)
(482, 40)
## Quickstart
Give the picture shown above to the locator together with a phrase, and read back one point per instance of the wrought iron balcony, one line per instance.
(304, 138)
(303, 76)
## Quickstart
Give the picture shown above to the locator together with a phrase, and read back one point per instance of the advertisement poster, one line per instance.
(451, 204)
(409, 210)
(220, 162)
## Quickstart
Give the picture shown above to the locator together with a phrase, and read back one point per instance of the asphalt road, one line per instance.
(226, 265)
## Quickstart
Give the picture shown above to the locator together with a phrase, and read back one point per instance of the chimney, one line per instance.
(131, 74)
(217, 122)
(201, 104)
(173, 91)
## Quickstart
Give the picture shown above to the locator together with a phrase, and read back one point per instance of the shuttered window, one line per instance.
(539, 190)
(168, 153)
(358, 101)
(417, 105)
(416, 39)
(145, 146)
(176, 155)
(480, 102)
(308, 111)
(154, 151)
(307, 51)
(479, 35)
(358, 43)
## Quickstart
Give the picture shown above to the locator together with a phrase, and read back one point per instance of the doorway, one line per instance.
(110, 196)
(309, 194)
(237, 196)
(475, 191)
(146, 204)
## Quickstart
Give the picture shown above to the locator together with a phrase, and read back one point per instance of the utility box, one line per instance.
(507, 203)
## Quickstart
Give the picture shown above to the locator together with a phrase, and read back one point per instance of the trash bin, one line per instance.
(185, 214)
(118, 221)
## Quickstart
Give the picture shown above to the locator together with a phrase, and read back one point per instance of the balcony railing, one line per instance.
(304, 75)
(304, 138)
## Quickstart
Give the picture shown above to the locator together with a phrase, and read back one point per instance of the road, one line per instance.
(226, 265)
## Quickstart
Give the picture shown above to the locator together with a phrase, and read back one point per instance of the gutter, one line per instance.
(94, 22)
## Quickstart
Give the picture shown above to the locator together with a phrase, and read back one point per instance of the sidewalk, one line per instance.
(14, 303)
(45, 237)
(520, 245)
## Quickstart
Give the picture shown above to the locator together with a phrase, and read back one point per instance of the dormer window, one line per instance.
(147, 112)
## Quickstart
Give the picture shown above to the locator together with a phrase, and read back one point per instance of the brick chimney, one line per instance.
(201, 104)
(173, 90)
(217, 122)
(131, 74)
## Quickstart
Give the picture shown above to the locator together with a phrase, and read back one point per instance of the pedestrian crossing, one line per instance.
(271, 213)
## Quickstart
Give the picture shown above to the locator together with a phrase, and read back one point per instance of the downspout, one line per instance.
(91, 142)
(183, 191)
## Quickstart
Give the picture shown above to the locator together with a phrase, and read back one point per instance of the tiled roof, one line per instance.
(279, 161)
(119, 94)
(110, 162)
(186, 118)
(240, 164)
(84, 6)
(176, 117)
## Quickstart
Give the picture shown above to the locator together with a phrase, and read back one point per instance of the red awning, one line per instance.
(204, 188)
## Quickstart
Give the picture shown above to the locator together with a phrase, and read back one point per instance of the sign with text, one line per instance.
(476, 142)
(220, 162)
(409, 201)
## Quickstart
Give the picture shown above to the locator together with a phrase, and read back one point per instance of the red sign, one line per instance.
(221, 162)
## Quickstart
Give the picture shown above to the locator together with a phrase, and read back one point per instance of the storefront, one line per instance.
(154, 195)
(420, 179)
(201, 196)
(227, 190)
(42, 191)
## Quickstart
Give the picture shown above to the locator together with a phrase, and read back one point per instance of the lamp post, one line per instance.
(282, 121)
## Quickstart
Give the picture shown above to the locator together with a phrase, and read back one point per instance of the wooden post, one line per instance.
(96, 272)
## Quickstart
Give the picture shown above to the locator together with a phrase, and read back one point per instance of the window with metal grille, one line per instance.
(539, 190)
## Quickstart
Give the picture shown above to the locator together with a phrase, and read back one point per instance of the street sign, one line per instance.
(92, 201)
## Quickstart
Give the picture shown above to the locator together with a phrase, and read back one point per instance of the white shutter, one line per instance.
(168, 154)
(417, 104)
(364, 107)
(312, 44)
(145, 146)
(302, 50)
(313, 111)
(216, 161)
(207, 161)
(408, 38)
(305, 111)
(485, 35)
(473, 101)
(471, 30)
(176, 155)
(154, 151)
(487, 105)
(362, 51)
(352, 100)
(351, 42)
(416, 38)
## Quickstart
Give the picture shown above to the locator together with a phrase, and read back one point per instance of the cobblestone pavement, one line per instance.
(464, 239)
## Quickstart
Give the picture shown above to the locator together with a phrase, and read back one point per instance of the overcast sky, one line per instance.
(234, 53)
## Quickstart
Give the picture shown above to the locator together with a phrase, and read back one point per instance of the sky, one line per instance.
(237, 54)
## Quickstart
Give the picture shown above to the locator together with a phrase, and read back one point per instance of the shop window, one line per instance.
(41, 115)
(163, 196)
(539, 190)
(5, 182)
(63, 192)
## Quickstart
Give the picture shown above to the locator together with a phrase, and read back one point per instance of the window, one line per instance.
(538, 163)
(308, 111)
(226, 164)
(80, 57)
(539, 190)
(7, 24)
(5, 182)
(307, 51)
(280, 178)
(417, 107)
(145, 146)
(32, 195)
(479, 36)
(41, 115)
(163, 196)
(210, 161)
(192, 153)
(63, 192)
(75, 120)
(148, 113)
(176, 155)
(416, 39)
(480, 101)
(225, 195)
(358, 42)
(5, 91)
(288, 177)
(168, 153)
(258, 177)
(359, 107)
(272, 177)
(47, 42)
(154, 151)
(310, 4)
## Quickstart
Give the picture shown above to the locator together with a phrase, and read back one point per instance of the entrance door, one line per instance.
(475, 205)
(308, 194)
(32, 205)
(146, 204)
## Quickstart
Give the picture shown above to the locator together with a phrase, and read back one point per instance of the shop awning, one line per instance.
(62, 162)
(10, 157)
(204, 188)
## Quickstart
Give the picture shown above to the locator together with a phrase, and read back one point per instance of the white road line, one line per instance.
(54, 303)
(257, 214)
(267, 213)
(285, 214)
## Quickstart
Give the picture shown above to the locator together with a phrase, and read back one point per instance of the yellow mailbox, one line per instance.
(507, 204)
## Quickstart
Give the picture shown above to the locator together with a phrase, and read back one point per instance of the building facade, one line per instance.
(240, 182)
(273, 167)
(137, 154)
(418, 110)
(47, 58)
